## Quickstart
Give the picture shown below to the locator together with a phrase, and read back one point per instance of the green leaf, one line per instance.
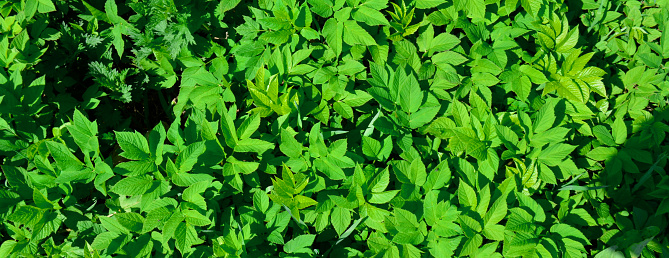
(545, 117)
(526, 201)
(619, 131)
(473, 146)
(46, 6)
(476, 10)
(380, 182)
(189, 156)
(26, 215)
(356, 35)
(357, 99)
(411, 95)
(65, 160)
(484, 79)
(535, 75)
(156, 142)
(343, 109)
(340, 218)
(130, 186)
(289, 146)
(228, 129)
(466, 195)
(406, 220)
(260, 201)
(350, 67)
(195, 218)
(84, 133)
(664, 40)
(299, 243)
(186, 236)
(420, 118)
(317, 146)
(417, 174)
(118, 42)
(555, 153)
(602, 153)
(603, 135)
(225, 6)
(331, 170)
(471, 245)
(130, 220)
(42, 201)
(369, 16)
(496, 213)
(333, 31)
(427, 4)
(610, 252)
(249, 126)
(444, 59)
(438, 177)
(567, 89)
(253, 145)
(375, 149)
(566, 231)
(383, 197)
(522, 87)
(134, 145)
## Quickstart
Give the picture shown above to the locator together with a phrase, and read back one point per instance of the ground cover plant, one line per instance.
(334, 128)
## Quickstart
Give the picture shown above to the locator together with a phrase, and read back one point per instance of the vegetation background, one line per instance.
(334, 128)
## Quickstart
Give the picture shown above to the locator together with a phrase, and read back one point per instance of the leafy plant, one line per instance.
(334, 128)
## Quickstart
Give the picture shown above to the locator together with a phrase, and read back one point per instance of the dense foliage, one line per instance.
(334, 128)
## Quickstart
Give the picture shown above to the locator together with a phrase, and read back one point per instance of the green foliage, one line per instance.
(334, 128)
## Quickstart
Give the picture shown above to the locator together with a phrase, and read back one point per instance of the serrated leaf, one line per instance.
(555, 153)
(333, 31)
(26, 215)
(467, 195)
(357, 99)
(298, 243)
(444, 59)
(260, 201)
(186, 236)
(340, 218)
(83, 131)
(380, 182)
(496, 213)
(603, 135)
(417, 174)
(156, 141)
(134, 145)
(195, 218)
(130, 220)
(369, 16)
(253, 145)
(343, 109)
(249, 126)
(188, 158)
(619, 130)
(228, 129)
(289, 146)
(539, 214)
(427, 4)
(65, 160)
(535, 75)
(484, 79)
(356, 35)
(131, 186)
(411, 95)
(544, 118)
(602, 153)
(382, 197)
